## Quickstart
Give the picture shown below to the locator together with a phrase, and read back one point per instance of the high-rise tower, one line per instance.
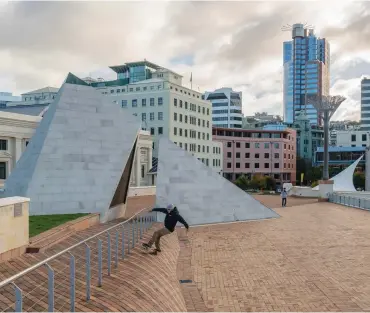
(306, 71)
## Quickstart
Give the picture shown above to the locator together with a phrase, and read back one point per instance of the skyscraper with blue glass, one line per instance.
(306, 71)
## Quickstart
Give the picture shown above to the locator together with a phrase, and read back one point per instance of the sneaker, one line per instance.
(158, 250)
(145, 246)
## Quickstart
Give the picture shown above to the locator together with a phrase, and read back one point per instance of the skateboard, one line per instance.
(152, 251)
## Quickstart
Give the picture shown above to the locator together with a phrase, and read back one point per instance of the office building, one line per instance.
(7, 97)
(266, 152)
(365, 104)
(352, 138)
(166, 108)
(306, 61)
(340, 157)
(226, 107)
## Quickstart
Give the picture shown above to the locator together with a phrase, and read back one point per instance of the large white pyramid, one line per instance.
(80, 157)
(201, 195)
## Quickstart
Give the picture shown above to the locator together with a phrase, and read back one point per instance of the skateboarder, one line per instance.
(172, 217)
(284, 195)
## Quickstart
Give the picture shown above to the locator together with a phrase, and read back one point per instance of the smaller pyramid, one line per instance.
(202, 195)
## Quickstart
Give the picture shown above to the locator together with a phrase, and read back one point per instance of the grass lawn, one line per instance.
(40, 223)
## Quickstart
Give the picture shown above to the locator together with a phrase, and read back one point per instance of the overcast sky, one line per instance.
(233, 44)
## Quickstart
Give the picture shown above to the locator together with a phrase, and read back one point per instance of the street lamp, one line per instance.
(326, 106)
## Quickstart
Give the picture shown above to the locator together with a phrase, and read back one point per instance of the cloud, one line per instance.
(231, 44)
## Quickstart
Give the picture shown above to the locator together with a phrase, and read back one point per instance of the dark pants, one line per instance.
(283, 201)
(156, 238)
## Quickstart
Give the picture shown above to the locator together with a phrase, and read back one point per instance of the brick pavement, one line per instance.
(313, 258)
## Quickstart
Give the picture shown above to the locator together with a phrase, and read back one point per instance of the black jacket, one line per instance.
(172, 218)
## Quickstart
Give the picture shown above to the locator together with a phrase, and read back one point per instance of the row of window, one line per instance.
(131, 89)
(258, 145)
(134, 102)
(192, 120)
(227, 111)
(152, 116)
(190, 106)
(257, 155)
(226, 118)
(364, 137)
(193, 148)
(153, 133)
(257, 165)
(185, 92)
(191, 133)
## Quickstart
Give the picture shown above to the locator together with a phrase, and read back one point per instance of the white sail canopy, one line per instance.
(344, 180)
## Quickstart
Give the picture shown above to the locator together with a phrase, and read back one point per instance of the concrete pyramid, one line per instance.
(201, 194)
(80, 157)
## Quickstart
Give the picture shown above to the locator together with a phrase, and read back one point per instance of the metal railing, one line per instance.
(86, 256)
(360, 201)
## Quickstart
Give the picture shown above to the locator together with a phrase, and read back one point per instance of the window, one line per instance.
(151, 116)
(207, 111)
(363, 137)
(256, 165)
(203, 148)
(2, 170)
(137, 88)
(143, 102)
(207, 162)
(207, 136)
(247, 145)
(207, 149)
(3, 144)
(160, 101)
(180, 131)
(186, 118)
(276, 165)
(276, 155)
(160, 116)
(186, 146)
(257, 155)
(229, 154)
(267, 155)
(112, 91)
(284, 145)
(142, 171)
(134, 103)
(180, 143)
(238, 155)
(228, 165)
(198, 148)
(180, 117)
(238, 144)
(267, 165)
(186, 132)
(207, 124)
(143, 116)
(144, 88)
(160, 130)
(229, 144)
(256, 145)
(186, 105)
(152, 102)
(237, 165)
(124, 104)
(175, 130)
(175, 116)
(267, 145)
(247, 155)
(152, 131)
(276, 145)
(204, 123)
(175, 102)
(180, 103)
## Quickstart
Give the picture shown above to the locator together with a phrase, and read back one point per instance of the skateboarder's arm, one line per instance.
(182, 221)
(162, 210)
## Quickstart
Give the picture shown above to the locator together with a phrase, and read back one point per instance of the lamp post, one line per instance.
(326, 106)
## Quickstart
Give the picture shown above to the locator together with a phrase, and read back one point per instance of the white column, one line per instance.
(18, 149)
(150, 156)
(138, 168)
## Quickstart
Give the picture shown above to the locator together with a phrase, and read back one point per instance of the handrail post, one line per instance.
(88, 272)
(123, 242)
(18, 298)
(72, 276)
(133, 234)
(116, 252)
(141, 227)
(109, 254)
(50, 288)
(128, 239)
(100, 265)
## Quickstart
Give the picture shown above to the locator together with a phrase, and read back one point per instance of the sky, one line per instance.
(223, 44)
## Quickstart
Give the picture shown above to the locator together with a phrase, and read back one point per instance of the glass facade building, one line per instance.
(306, 61)
(365, 104)
(226, 107)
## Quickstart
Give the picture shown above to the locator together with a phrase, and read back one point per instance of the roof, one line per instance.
(253, 130)
(42, 90)
(147, 81)
(342, 149)
(33, 110)
(126, 66)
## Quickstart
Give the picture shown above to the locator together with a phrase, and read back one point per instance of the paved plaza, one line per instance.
(313, 258)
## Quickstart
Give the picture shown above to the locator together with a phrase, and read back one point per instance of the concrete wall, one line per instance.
(306, 192)
(14, 232)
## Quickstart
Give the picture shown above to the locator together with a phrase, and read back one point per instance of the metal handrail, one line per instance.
(41, 263)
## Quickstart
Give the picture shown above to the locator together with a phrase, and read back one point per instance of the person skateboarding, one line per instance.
(172, 217)
(284, 195)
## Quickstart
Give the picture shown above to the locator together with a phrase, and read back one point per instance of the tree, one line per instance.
(242, 182)
(359, 180)
(270, 183)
